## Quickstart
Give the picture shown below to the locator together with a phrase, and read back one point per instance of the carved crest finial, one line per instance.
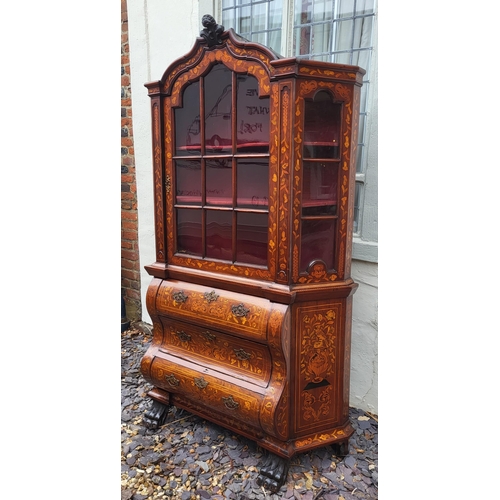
(212, 32)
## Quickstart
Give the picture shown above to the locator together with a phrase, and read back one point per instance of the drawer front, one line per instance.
(204, 388)
(242, 359)
(235, 313)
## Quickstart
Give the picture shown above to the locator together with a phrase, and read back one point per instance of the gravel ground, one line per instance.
(191, 458)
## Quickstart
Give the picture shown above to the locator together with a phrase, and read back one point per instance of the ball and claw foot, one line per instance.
(273, 473)
(155, 416)
(341, 449)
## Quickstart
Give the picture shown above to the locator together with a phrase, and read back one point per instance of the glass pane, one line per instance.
(251, 244)
(188, 182)
(343, 35)
(187, 122)
(219, 234)
(227, 3)
(218, 108)
(343, 58)
(219, 182)
(318, 239)
(259, 38)
(228, 19)
(301, 37)
(259, 14)
(252, 117)
(244, 20)
(357, 197)
(360, 158)
(275, 41)
(319, 188)
(303, 11)
(321, 34)
(363, 32)
(365, 7)
(275, 15)
(323, 10)
(345, 8)
(189, 231)
(253, 183)
(322, 127)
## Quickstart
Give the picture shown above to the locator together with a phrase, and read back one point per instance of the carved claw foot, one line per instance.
(273, 473)
(155, 416)
(341, 449)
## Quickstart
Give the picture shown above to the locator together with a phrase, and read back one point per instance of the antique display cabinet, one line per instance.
(251, 297)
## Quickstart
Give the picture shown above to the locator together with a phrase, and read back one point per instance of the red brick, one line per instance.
(130, 254)
(129, 225)
(129, 235)
(129, 215)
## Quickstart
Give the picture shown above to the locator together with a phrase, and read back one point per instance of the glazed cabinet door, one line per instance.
(221, 175)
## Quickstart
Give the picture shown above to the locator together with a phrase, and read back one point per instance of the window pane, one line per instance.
(253, 183)
(301, 37)
(251, 245)
(357, 198)
(365, 7)
(363, 28)
(252, 116)
(321, 34)
(345, 8)
(317, 242)
(322, 10)
(189, 231)
(320, 186)
(218, 102)
(274, 41)
(275, 14)
(219, 182)
(343, 35)
(321, 127)
(188, 182)
(219, 235)
(244, 18)
(303, 11)
(259, 12)
(187, 120)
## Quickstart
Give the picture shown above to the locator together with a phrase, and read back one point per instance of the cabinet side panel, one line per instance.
(285, 174)
(319, 381)
(159, 202)
(356, 92)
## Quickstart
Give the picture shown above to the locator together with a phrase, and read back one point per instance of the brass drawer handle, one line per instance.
(183, 336)
(242, 355)
(209, 336)
(201, 383)
(172, 380)
(239, 310)
(230, 403)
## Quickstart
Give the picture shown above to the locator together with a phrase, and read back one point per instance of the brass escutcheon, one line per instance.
(183, 336)
(239, 310)
(210, 296)
(200, 382)
(180, 296)
(230, 403)
(209, 336)
(242, 355)
(172, 380)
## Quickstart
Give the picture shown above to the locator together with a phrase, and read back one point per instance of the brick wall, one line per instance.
(130, 248)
